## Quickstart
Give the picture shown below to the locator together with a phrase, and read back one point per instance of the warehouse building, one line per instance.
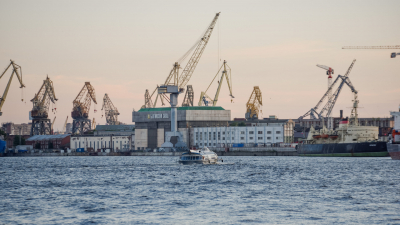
(114, 143)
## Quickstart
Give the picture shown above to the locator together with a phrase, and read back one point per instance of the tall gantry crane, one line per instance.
(81, 107)
(17, 71)
(254, 104)
(41, 125)
(392, 55)
(327, 109)
(110, 111)
(52, 125)
(181, 80)
(225, 73)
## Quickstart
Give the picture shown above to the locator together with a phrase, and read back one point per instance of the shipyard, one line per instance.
(174, 118)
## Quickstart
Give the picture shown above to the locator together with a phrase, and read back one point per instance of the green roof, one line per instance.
(183, 108)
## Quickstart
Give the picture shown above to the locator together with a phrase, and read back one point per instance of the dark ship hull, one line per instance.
(365, 149)
(394, 150)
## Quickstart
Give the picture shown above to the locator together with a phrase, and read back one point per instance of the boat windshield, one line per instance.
(190, 157)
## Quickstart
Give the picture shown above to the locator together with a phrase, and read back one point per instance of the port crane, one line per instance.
(254, 104)
(65, 126)
(16, 69)
(327, 109)
(182, 79)
(392, 55)
(41, 125)
(110, 111)
(189, 96)
(329, 72)
(52, 125)
(226, 72)
(81, 107)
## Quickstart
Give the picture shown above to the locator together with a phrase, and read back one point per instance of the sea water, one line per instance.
(157, 190)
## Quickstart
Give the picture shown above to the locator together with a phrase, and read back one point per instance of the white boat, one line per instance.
(201, 156)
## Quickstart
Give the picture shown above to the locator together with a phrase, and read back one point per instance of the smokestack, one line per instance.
(341, 114)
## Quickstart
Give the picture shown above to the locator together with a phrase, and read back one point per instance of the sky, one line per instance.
(125, 47)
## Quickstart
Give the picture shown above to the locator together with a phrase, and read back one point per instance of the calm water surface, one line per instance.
(157, 190)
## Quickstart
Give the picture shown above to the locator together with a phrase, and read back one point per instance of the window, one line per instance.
(278, 132)
(251, 132)
(233, 138)
(214, 136)
(223, 138)
(241, 138)
(219, 136)
(268, 132)
(241, 132)
(223, 132)
(260, 132)
(260, 138)
(209, 135)
(214, 144)
(268, 138)
(209, 144)
(197, 136)
(277, 138)
(251, 138)
(201, 136)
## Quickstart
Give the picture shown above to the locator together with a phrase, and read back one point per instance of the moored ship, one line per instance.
(393, 146)
(350, 139)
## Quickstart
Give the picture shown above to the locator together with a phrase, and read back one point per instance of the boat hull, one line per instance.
(394, 150)
(366, 149)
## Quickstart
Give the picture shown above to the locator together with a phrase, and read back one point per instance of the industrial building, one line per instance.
(16, 129)
(60, 141)
(151, 124)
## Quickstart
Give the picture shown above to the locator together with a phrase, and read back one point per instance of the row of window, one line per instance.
(223, 138)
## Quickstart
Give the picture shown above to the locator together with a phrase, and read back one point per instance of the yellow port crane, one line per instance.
(52, 125)
(16, 70)
(182, 79)
(225, 73)
(110, 111)
(253, 104)
(65, 126)
(81, 107)
(392, 55)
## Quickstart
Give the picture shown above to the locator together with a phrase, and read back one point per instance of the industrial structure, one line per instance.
(80, 111)
(392, 55)
(254, 104)
(189, 96)
(181, 80)
(327, 109)
(110, 111)
(18, 72)
(205, 99)
(41, 124)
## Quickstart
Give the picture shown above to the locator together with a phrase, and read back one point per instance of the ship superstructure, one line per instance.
(393, 145)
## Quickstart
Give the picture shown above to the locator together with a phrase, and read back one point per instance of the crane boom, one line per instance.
(16, 69)
(372, 47)
(110, 111)
(194, 60)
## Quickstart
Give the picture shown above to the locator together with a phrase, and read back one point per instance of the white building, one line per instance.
(96, 143)
(223, 136)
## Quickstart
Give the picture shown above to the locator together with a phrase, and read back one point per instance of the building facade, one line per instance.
(227, 136)
(97, 143)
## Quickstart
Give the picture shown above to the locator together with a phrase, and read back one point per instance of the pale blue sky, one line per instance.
(125, 47)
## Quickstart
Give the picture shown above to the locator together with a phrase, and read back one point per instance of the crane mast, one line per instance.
(41, 125)
(81, 107)
(65, 126)
(16, 69)
(181, 80)
(110, 111)
(254, 103)
(225, 73)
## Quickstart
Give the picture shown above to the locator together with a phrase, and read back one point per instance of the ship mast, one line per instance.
(354, 114)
